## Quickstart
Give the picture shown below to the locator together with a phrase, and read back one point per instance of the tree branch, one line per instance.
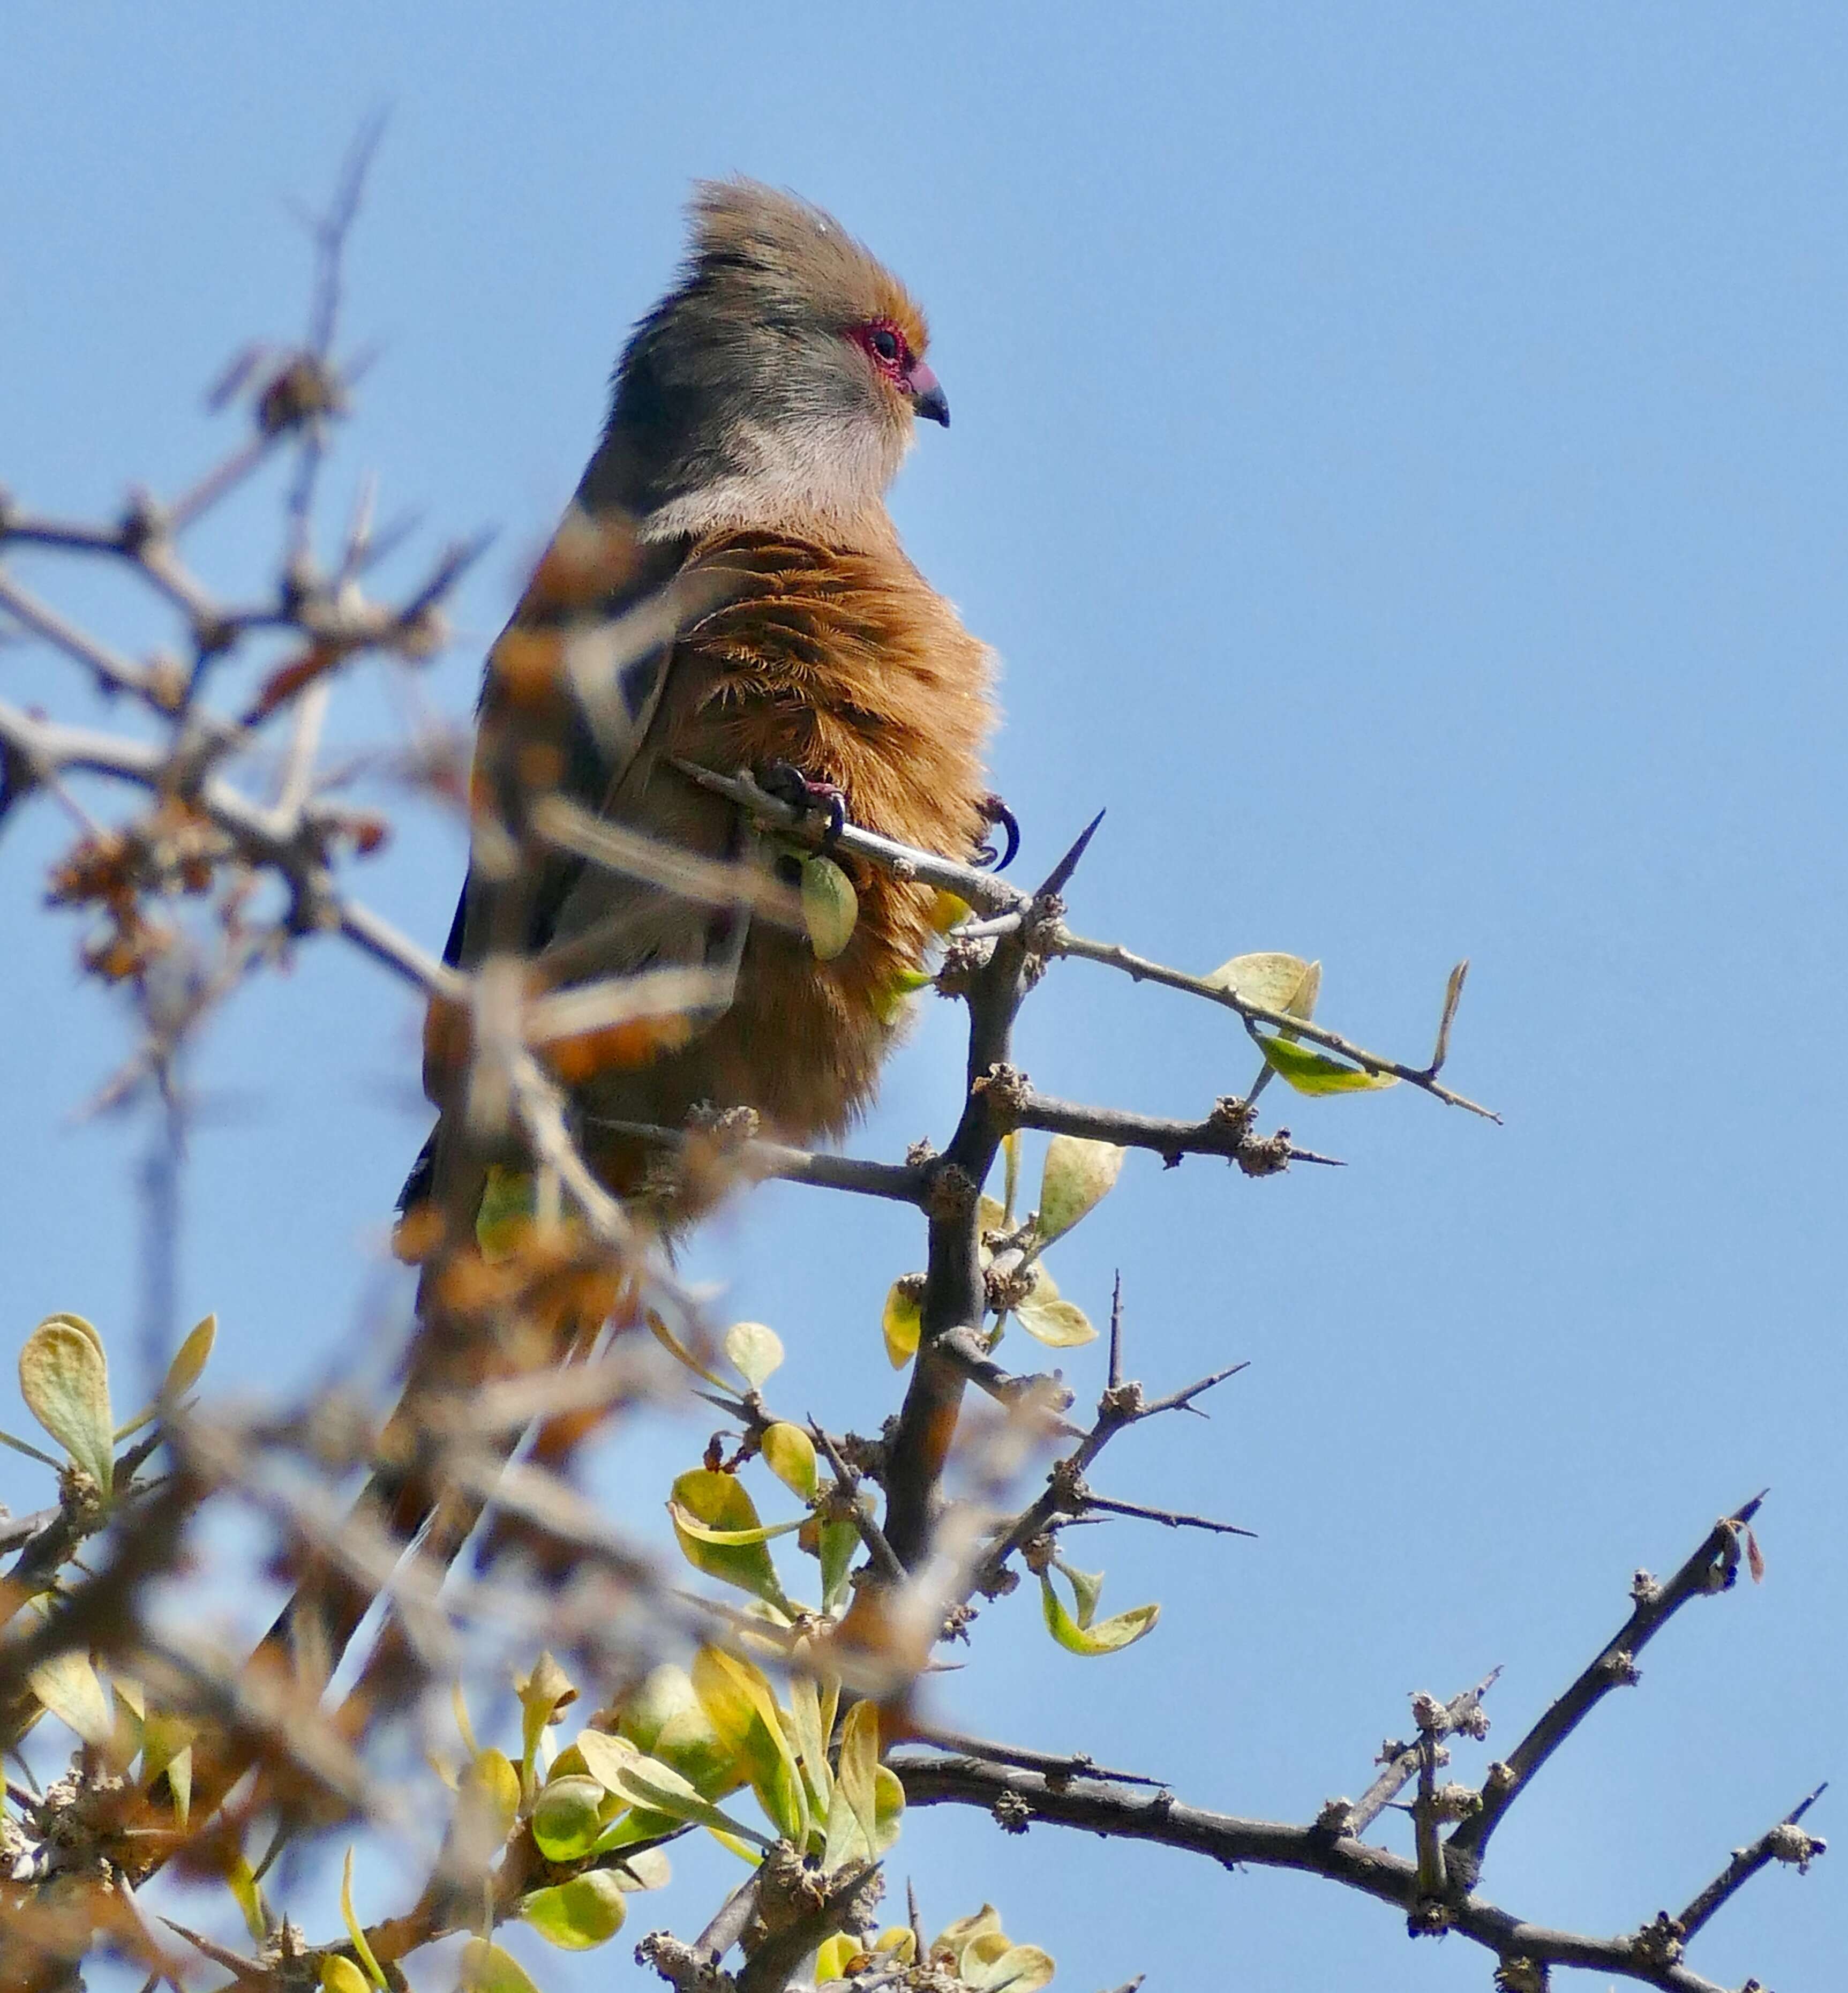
(1712, 1568)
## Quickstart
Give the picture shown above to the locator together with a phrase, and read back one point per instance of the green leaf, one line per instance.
(64, 1379)
(755, 1352)
(1058, 1323)
(1312, 1073)
(831, 908)
(635, 1823)
(1274, 982)
(576, 1916)
(1106, 1636)
(902, 1323)
(720, 1502)
(338, 1974)
(485, 1968)
(789, 1454)
(567, 1817)
(868, 1801)
(1078, 1175)
(70, 1688)
(646, 1782)
(840, 1541)
(355, 1932)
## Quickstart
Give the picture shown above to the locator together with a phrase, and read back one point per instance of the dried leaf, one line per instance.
(1077, 1176)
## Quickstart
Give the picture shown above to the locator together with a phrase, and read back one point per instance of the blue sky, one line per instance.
(1398, 459)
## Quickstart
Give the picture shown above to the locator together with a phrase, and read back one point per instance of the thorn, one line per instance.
(1057, 878)
(1116, 1330)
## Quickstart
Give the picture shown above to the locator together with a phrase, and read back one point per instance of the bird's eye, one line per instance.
(885, 342)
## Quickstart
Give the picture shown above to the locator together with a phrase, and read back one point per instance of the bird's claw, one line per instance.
(994, 812)
(788, 784)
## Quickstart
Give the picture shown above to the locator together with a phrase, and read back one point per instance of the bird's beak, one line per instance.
(927, 397)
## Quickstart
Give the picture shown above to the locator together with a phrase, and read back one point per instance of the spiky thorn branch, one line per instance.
(1011, 914)
(1713, 1567)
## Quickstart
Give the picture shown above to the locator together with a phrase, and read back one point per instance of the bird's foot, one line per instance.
(788, 784)
(997, 815)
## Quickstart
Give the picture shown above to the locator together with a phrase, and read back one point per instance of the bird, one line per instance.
(725, 590)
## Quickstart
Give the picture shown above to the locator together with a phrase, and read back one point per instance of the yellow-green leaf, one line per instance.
(487, 1803)
(338, 1974)
(830, 906)
(64, 1379)
(567, 1817)
(755, 1351)
(355, 1931)
(166, 1744)
(485, 1968)
(1087, 1588)
(789, 1454)
(902, 1324)
(858, 1763)
(810, 1739)
(575, 1916)
(900, 1940)
(70, 1688)
(1019, 1968)
(1106, 1636)
(831, 1962)
(189, 1360)
(241, 1879)
(1312, 1072)
(664, 1336)
(544, 1691)
(741, 1706)
(647, 1782)
(1058, 1323)
(1077, 1176)
(688, 1524)
(720, 1502)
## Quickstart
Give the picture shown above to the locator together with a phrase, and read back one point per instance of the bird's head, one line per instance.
(777, 386)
